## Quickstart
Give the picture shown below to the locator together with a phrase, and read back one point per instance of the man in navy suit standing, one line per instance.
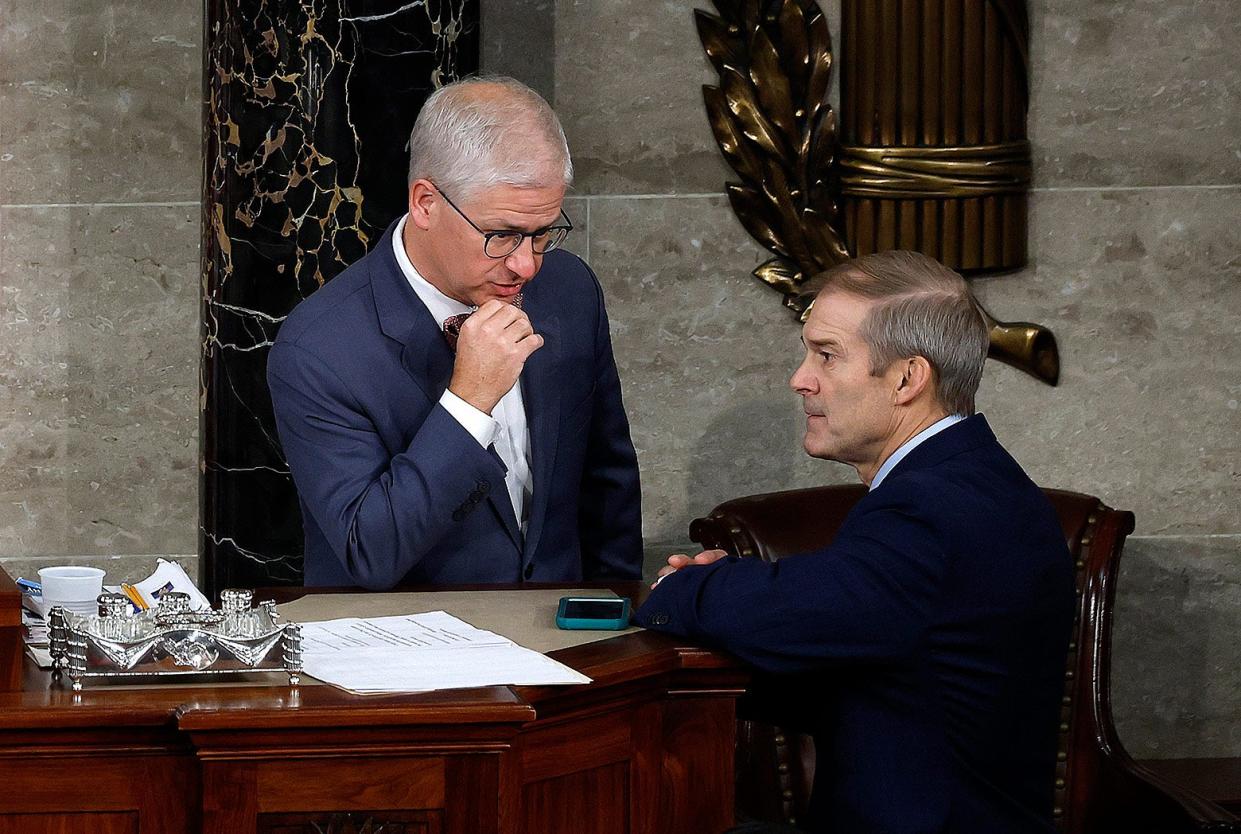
(925, 647)
(449, 405)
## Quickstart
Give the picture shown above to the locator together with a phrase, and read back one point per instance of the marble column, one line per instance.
(308, 107)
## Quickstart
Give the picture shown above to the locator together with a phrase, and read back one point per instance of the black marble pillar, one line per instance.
(308, 109)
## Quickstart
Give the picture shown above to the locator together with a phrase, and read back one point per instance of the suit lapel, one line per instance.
(426, 357)
(541, 395)
(403, 318)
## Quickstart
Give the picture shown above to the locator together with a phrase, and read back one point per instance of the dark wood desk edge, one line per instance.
(484, 705)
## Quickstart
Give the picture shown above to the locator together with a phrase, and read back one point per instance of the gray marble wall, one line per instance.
(519, 39)
(99, 172)
(1136, 265)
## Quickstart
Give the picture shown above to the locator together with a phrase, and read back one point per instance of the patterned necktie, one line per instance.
(452, 324)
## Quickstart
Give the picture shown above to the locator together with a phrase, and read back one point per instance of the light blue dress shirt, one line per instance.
(911, 444)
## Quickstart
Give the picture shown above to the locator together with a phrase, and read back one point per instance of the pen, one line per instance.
(30, 586)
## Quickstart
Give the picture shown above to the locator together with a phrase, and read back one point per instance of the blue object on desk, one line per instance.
(30, 586)
(593, 613)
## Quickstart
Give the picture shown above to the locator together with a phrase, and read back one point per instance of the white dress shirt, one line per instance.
(911, 444)
(506, 426)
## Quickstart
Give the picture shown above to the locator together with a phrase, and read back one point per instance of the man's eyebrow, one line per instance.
(508, 227)
(825, 341)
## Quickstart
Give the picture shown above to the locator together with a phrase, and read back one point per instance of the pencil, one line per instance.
(134, 597)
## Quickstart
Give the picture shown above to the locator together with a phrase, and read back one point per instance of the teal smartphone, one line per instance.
(598, 613)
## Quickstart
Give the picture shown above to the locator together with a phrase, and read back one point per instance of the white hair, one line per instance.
(481, 132)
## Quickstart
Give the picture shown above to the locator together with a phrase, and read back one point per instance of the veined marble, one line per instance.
(309, 108)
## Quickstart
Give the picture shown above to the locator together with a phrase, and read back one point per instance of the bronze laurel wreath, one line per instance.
(771, 119)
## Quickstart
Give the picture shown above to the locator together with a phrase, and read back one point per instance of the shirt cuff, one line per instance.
(481, 426)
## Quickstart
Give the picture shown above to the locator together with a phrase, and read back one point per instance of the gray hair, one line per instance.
(482, 132)
(922, 308)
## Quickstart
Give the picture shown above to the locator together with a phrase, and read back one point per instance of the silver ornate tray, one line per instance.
(173, 640)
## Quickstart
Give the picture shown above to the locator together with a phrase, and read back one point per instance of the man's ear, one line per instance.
(422, 196)
(916, 378)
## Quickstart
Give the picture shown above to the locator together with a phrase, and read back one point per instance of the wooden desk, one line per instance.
(647, 747)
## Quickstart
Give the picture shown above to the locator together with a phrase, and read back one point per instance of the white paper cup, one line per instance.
(70, 586)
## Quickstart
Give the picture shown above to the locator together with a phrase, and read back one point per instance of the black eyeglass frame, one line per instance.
(488, 237)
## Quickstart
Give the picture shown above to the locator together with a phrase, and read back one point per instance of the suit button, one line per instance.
(529, 570)
(476, 495)
(659, 619)
(458, 514)
(482, 487)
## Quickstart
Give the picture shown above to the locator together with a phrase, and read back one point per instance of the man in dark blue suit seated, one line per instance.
(449, 404)
(924, 647)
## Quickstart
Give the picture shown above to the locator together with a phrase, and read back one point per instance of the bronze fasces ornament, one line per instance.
(930, 154)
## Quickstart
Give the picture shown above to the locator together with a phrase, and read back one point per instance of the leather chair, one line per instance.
(1098, 786)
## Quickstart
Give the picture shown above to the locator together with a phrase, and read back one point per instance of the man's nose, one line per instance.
(523, 262)
(802, 381)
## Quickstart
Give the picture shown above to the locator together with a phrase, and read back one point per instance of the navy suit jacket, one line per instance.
(924, 648)
(395, 491)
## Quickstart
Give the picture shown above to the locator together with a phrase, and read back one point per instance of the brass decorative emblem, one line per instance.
(932, 155)
(348, 824)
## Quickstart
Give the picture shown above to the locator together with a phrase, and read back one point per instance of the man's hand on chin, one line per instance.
(679, 560)
(492, 349)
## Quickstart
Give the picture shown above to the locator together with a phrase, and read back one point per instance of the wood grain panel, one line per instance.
(698, 734)
(645, 770)
(230, 798)
(587, 802)
(473, 798)
(349, 784)
(581, 745)
(102, 788)
(78, 823)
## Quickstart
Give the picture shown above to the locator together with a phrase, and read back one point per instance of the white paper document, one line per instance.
(421, 653)
(432, 630)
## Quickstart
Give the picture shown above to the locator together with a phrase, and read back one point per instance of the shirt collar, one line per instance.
(911, 444)
(439, 305)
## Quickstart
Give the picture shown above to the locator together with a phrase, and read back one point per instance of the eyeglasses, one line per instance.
(502, 244)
